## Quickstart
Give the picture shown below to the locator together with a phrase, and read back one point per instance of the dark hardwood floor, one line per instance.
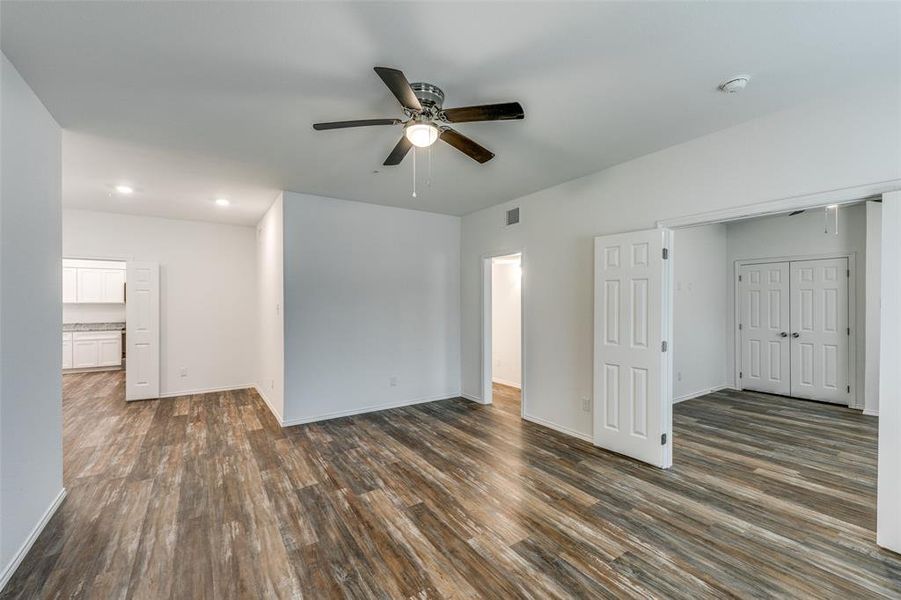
(206, 497)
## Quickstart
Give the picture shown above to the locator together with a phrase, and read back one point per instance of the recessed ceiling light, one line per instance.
(222, 202)
(124, 189)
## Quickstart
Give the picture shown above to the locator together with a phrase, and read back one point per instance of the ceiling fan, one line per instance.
(426, 120)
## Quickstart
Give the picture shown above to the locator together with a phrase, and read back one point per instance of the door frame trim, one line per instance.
(854, 400)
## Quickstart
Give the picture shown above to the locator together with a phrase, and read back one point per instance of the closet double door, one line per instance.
(794, 329)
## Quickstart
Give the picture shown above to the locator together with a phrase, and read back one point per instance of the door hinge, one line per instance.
(848, 273)
(849, 389)
(739, 326)
(849, 331)
(739, 277)
(663, 346)
(663, 440)
(740, 374)
(665, 253)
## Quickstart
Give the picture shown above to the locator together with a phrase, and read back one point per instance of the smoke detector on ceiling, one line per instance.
(736, 84)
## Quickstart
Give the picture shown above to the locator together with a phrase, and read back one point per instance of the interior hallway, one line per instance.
(205, 496)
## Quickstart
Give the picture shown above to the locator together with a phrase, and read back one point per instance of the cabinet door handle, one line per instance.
(796, 334)
(783, 334)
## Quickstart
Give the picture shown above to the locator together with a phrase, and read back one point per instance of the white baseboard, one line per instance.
(691, 395)
(513, 384)
(871, 413)
(30, 540)
(566, 430)
(369, 409)
(213, 390)
(275, 413)
(472, 397)
(92, 370)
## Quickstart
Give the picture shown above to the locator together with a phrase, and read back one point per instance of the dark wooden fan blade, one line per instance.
(357, 123)
(486, 112)
(465, 145)
(399, 86)
(399, 152)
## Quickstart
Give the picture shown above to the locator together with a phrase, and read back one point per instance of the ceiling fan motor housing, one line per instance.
(429, 95)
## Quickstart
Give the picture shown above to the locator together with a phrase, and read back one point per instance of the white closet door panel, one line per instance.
(820, 333)
(764, 322)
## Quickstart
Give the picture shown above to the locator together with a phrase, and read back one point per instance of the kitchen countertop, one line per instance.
(93, 326)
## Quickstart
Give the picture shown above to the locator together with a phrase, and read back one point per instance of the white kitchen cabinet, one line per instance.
(67, 350)
(113, 286)
(90, 285)
(69, 285)
(85, 354)
(110, 351)
(93, 282)
(96, 349)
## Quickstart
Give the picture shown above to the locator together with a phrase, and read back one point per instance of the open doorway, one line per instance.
(748, 344)
(772, 358)
(502, 382)
(111, 324)
(775, 305)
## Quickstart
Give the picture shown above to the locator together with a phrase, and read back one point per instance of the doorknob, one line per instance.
(795, 334)
(783, 334)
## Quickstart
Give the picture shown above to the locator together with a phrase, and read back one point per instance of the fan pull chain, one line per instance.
(428, 179)
(414, 171)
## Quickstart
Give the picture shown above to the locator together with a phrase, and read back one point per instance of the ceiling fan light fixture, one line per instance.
(421, 135)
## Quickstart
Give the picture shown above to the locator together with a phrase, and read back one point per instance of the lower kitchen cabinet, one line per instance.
(67, 350)
(88, 349)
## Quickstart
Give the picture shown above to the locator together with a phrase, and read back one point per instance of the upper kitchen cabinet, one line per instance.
(69, 284)
(93, 281)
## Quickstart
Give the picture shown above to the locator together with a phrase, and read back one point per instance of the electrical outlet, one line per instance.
(586, 403)
(183, 372)
(392, 381)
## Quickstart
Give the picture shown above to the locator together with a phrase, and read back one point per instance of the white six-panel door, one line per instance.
(630, 374)
(820, 334)
(764, 326)
(794, 328)
(142, 331)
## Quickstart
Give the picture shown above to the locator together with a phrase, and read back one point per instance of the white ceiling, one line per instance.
(191, 100)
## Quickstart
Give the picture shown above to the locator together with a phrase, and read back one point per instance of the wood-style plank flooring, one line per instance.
(206, 497)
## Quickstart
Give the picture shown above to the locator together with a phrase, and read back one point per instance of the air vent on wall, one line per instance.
(513, 216)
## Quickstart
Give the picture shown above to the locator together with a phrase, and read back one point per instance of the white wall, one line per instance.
(207, 291)
(93, 313)
(371, 293)
(802, 235)
(270, 300)
(31, 472)
(888, 528)
(700, 311)
(829, 144)
(873, 307)
(506, 341)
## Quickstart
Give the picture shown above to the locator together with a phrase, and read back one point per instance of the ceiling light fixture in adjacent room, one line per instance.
(124, 189)
(222, 202)
(734, 85)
